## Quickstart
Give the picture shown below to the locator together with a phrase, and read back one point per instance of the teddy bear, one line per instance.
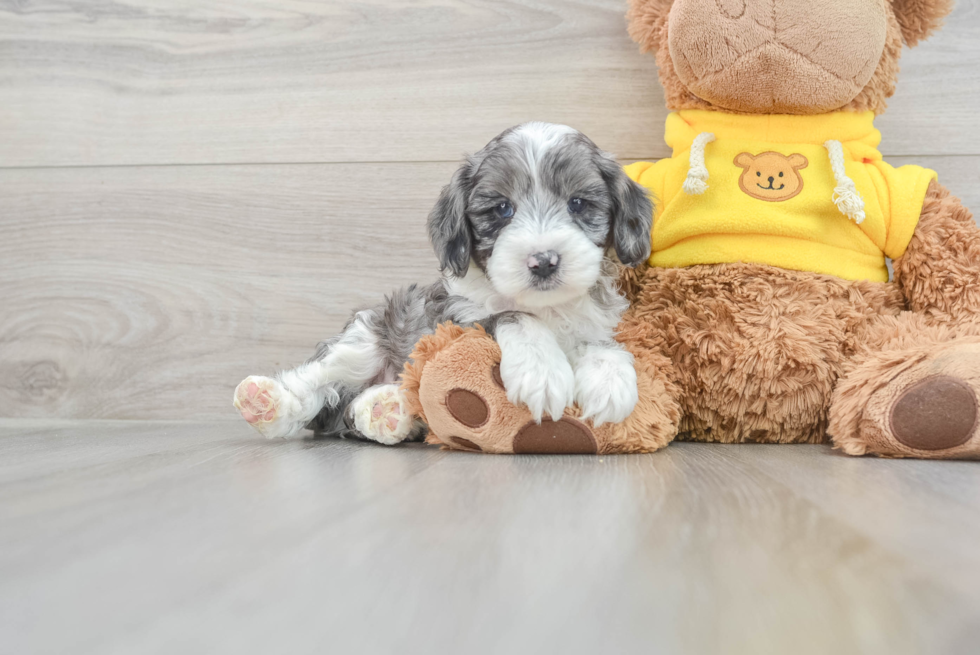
(767, 312)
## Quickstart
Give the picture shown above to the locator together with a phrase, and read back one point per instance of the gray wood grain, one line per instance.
(149, 292)
(134, 537)
(145, 292)
(258, 81)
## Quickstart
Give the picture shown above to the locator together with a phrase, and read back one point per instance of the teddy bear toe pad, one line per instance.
(936, 413)
(475, 415)
(467, 407)
(565, 436)
(929, 410)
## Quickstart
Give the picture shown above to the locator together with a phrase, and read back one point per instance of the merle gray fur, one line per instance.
(463, 228)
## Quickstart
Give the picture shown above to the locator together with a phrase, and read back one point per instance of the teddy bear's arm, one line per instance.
(940, 270)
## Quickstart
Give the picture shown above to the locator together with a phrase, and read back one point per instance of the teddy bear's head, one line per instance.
(781, 56)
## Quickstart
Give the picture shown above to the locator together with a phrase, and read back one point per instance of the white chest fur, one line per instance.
(577, 321)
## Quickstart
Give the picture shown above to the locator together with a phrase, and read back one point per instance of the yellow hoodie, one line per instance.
(807, 193)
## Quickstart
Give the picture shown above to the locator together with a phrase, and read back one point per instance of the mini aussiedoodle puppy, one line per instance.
(529, 234)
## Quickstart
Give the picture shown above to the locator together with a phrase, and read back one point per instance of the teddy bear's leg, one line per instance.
(912, 388)
(454, 384)
(911, 391)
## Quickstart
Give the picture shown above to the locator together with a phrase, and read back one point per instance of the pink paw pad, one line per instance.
(255, 400)
(394, 414)
(379, 414)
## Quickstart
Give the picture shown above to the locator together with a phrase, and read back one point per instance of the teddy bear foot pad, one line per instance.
(462, 398)
(938, 413)
(468, 408)
(930, 410)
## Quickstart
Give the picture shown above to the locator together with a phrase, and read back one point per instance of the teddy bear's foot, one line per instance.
(479, 417)
(463, 400)
(928, 409)
(454, 383)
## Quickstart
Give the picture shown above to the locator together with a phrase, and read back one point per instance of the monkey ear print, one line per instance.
(744, 160)
(799, 162)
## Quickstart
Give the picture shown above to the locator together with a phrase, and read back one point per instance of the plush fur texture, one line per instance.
(755, 351)
(894, 353)
(939, 272)
(750, 353)
(909, 21)
(746, 353)
(920, 18)
(819, 69)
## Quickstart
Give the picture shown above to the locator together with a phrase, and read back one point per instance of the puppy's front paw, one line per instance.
(605, 385)
(537, 375)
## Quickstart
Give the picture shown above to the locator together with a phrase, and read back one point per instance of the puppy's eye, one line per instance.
(576, 205)
(780, 175)
(504, 210)
(758, 173)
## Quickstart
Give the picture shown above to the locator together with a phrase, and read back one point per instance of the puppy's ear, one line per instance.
(449, 231)
(632, 213)
(920, 18)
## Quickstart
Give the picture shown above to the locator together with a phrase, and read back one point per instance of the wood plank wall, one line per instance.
(196, 190)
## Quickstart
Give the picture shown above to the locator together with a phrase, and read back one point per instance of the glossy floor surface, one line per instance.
(154, 537)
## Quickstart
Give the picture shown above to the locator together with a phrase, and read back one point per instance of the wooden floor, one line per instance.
(155, 537)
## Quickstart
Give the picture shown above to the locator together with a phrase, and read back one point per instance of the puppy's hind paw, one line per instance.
(261, 403)
(381, 414)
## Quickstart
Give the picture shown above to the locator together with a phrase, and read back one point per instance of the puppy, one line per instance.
(528, 234)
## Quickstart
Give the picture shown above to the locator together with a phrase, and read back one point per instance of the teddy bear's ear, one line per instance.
(646, 19)
(744, 160)
(920, 18)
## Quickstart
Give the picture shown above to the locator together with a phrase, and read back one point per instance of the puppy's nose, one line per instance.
(771, 179)
(543, 264)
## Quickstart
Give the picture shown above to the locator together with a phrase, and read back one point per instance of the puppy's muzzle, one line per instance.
(543, 264)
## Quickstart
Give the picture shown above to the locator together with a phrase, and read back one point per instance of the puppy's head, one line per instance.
(537, 210)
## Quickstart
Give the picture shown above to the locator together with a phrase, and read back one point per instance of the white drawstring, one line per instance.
(846, 196)
(697, 175)
(849, 202)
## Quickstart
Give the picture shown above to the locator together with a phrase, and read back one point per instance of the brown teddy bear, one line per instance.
(766, 313)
